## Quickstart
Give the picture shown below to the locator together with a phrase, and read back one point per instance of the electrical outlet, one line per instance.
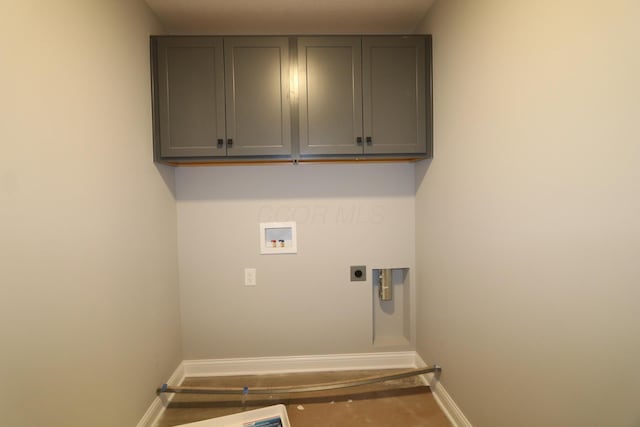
(250, 277)
(358, 273)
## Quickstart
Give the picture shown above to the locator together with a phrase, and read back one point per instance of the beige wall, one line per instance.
(528, 218)
(303, 304)
(89, 322)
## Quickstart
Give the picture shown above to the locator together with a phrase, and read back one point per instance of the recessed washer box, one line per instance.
(278, 238)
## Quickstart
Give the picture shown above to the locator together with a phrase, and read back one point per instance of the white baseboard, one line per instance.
(444, 400)
(273, 365)
(335, 362)
(159, 404)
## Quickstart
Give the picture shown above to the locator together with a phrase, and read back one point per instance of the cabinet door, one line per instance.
(190, 73)
(394, 100)
(330, 95)
(257, 96)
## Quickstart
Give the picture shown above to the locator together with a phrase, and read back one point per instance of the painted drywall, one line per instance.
(304, 303)
(528, 217)
(290, 16)
(89, 321)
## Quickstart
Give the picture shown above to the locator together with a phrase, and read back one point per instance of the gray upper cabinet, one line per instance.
(257, 94)
(219, 97)
(290, 98)
(330, 95)
(190, 92)
(362, 95)
(394, 94)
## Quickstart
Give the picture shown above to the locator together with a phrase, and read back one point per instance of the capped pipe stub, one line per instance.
(385, 284)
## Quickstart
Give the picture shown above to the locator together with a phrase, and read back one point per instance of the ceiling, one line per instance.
(290, 16)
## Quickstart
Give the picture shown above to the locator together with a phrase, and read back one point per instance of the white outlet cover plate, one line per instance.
(250, 277)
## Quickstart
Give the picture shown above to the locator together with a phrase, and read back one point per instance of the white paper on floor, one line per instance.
(271, 416)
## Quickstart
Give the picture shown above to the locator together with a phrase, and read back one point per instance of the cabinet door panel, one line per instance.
(191, 96)
(257, 96)
(394, 101)
(330, 95)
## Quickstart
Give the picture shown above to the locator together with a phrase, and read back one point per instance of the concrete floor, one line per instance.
(406, 402)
